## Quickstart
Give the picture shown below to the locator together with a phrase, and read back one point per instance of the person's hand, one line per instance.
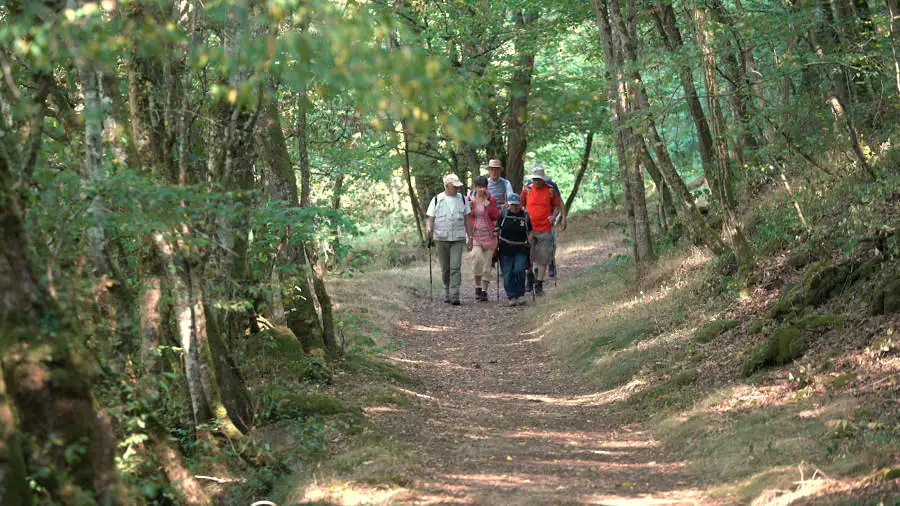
(469, 244)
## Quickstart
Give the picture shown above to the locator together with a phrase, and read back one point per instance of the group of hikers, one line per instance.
(516, 231)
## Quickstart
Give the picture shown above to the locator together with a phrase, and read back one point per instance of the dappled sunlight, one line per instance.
(663, 339)
(414, 394)
(403, 324)
(349, 494)
(376, 410)
(681, 497)
(595, 399)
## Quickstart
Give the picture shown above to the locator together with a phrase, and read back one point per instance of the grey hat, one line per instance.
(513, 199)
(537, 172)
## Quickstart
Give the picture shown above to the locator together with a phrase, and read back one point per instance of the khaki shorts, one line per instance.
(542, 247)
(481, 261)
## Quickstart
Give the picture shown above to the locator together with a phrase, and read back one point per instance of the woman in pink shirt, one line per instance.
(485, 212)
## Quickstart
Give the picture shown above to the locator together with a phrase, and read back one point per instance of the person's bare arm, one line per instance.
(429, 227)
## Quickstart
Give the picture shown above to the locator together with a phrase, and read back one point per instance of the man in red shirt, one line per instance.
(543, 205)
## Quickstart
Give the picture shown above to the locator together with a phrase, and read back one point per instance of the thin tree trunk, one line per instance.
(666, 206)
(585, 160)
(313, 249)
(733, 228)
(691, 214)
(840, 113)
(407, 174)
(667, 25)
(893, 20)
(303, 151)
(613, 73)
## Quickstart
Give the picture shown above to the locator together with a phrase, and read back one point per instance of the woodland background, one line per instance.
(180, 182)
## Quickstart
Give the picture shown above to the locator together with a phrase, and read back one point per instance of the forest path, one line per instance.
(499, 420)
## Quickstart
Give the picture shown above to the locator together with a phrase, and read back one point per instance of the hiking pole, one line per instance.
(529, 265)
(430, 275)
(498, 277)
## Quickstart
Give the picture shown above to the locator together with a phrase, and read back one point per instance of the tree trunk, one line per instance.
(418, 215)
(170, 461)
(667, 25)
(691, 215)
(894, 20)
(520, 87)
(314, 255)
(302, 316)
(585, 160)
(733, 228)
(667, 212)
(303, 150)
(46, 394)
(841, 114)
(151, 317)
(190, 316)
(14, 490)
(231, 384)
(613, 73)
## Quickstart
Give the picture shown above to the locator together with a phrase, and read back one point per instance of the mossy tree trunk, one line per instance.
(302, 316)
(190, 316)
(47, 392)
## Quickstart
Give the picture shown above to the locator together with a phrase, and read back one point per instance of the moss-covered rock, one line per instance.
(791, 301)
(756, 326)
(820, 322)
(278, 404)
(800, 258)
(887, 298)
(822, 281)
(713, 329)
(280, 350)
(783, 347)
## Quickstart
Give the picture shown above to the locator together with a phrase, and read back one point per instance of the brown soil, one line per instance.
(497, 420)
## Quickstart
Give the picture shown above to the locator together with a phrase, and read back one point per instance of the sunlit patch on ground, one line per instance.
(423, 328)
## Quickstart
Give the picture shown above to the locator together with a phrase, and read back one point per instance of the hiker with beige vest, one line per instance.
(449, 226)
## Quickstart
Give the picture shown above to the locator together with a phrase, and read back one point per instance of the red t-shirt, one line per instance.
(539, 202)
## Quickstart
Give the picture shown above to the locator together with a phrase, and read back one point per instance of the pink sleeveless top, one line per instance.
(484, 227)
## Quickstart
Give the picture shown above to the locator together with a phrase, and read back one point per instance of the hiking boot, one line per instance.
(455, 302)
(446, 298)
(539, 288)
(513, 301)
(521, 301)
(484, 295)
(478, 292)
(551, 270)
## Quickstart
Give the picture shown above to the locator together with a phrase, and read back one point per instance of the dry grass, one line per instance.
(801, 431)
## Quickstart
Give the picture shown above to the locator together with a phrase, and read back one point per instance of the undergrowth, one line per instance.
(748, 398)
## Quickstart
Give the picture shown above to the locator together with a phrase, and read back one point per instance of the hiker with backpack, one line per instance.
(514, 233)
(449, 226)
(544, 206)
(560, 221)
(484, 214)
(499, 187)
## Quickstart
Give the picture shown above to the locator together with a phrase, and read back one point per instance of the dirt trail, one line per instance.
(498, 421)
